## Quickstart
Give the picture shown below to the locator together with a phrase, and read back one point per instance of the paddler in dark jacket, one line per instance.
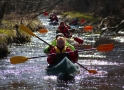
(60, 51)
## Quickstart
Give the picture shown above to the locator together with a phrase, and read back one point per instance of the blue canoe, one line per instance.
(65, 67)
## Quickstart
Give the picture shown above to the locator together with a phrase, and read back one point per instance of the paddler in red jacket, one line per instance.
(60, 51)
(64, 29)
(53, 17)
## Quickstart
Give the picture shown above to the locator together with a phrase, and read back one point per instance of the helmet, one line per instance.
(59, 34)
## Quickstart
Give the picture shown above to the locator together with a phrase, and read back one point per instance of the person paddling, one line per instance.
(54, 43)
(60, 51)
(62, 28)
(53, 17)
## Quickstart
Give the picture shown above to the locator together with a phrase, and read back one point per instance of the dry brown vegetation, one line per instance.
(30, 8)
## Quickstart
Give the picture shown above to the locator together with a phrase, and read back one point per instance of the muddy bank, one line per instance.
(6, 41)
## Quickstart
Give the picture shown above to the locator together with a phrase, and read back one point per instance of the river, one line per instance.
(30, 75)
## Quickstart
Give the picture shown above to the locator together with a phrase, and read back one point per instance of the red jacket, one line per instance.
(71, 55)
(64, 30)
(54, 18)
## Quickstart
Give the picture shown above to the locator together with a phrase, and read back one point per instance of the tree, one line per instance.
(2, 11)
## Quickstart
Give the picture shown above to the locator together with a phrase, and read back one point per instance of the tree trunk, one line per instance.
(2, 11)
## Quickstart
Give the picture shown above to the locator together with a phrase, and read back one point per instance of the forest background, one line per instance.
(10, 9)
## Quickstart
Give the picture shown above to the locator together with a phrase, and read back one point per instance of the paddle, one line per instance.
(28, 31)
(82, 21)
(45, 13)
(90, 71)
(80, 41)
(21, 59)
(101, 48)
(88, 28)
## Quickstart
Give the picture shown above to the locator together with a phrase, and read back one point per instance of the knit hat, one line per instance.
(59, 34)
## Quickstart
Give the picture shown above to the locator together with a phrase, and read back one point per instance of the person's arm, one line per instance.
(48, 48)
(68, 34)
(73, 55)
(67, 31)
(46, 51)
(70, 46)
(53, 42)
(51, 56)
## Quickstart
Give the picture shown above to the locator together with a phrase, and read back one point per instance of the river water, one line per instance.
(30, 75)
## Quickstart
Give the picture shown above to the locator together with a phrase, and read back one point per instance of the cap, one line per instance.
(59, 34)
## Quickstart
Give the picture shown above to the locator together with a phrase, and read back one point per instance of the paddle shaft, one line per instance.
(70, 52)
(42, 40)
(82, 66)
(27, 30)
(37, 57)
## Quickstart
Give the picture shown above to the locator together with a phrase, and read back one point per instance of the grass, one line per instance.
(4, 34)
(7, 32)
(80, 15)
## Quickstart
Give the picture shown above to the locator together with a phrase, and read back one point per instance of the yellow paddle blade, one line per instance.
(92, 71)
(18, 59)
(43, 30)
(105, 47)
(27, 30)
(88, 28)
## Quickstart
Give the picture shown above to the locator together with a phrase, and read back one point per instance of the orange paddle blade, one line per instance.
(105, 47)
(92, 71)
(88, 28)
(45, 13)
(43, 30)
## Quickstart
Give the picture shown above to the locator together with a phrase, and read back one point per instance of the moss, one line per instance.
(80, 15)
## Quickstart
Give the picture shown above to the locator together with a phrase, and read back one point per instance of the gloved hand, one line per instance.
(68, 35)
(50, 48)
(80, 41)
(53, 55)
(76, 52)
(50, 58)
(76, 55)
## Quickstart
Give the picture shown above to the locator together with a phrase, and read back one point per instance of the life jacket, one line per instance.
(60, 55)
(67, 44)
(58, 51)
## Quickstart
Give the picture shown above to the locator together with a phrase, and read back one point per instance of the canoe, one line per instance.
(65, 68)
(53, 23)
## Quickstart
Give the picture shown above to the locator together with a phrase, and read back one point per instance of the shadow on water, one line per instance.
(30, 75)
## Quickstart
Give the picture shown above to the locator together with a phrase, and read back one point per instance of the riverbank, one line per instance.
(11, 33)
(7, 37)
